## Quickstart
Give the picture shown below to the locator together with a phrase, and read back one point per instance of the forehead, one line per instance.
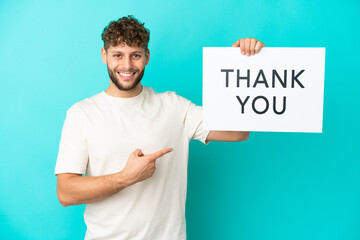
(124, 48)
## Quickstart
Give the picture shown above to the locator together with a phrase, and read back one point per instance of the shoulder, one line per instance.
(85, 105)
(170, 97)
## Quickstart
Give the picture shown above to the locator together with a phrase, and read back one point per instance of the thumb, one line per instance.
(138, 153)
(236, 44)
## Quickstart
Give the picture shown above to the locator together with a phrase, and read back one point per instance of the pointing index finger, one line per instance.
(160, 153)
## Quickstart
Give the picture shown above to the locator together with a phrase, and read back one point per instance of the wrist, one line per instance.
(124, 180)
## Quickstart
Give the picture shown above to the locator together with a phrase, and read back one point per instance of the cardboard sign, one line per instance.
(278, 89)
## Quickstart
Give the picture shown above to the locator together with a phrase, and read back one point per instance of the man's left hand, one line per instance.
(249, 46)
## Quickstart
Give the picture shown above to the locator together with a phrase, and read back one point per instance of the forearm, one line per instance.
(75, 190)
(242, 135)
(228, 136)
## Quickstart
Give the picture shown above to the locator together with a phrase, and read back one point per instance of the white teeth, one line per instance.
(126, 74)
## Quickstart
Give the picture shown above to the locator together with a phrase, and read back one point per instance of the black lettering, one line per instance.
(266, 108)
(284, 106)
(242, 103)
(294, 78)
(246, 78)
(261, 73)
(227, 75)
(275, 74)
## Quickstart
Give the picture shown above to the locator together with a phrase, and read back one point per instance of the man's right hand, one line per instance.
(140, 167)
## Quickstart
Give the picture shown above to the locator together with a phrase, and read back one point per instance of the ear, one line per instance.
(103, 55)
(147, 55)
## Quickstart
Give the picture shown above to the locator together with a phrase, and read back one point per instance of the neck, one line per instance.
(113, 91)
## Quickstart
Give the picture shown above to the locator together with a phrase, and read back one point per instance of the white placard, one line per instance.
(278, 89)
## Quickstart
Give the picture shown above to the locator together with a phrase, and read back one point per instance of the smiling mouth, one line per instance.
(126, 75)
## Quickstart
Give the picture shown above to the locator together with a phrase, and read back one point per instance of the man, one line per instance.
(118, 138)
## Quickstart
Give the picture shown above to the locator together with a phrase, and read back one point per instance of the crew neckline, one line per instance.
(126, 100)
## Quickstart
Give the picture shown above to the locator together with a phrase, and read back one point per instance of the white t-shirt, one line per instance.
(98, 136)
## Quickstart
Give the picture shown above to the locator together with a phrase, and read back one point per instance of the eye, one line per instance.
(117, 55)
(136, 56)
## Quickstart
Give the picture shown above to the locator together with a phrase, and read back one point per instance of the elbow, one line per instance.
(63, 190)
(62, 201)
(64, 204)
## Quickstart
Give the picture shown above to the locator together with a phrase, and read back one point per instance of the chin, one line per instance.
(127, 86)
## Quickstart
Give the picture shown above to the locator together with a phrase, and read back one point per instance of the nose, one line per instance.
(127, 64)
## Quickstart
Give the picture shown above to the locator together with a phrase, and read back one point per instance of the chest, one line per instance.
(114, 133)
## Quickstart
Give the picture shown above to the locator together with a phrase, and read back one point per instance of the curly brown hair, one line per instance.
(126, 30)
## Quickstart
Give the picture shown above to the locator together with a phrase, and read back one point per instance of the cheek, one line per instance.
(142, 64)
(112, 64)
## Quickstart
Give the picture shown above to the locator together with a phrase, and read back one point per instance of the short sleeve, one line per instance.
(73, 152)
(193, 121)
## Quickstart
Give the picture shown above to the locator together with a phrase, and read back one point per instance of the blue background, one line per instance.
(273, 186)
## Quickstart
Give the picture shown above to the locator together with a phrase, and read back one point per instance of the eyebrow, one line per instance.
(130, 53)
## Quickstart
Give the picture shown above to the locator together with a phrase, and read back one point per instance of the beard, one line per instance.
(119, 85)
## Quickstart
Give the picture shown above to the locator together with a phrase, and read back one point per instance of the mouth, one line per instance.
(126, 75)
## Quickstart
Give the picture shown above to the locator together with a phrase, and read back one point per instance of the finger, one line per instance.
(258, 46)
(236, 44)
(247, 46)
(160, 153)
(252, 46)
(138, 153)
(242, 46)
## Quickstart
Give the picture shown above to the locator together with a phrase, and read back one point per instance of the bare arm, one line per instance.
(227, 136)
(74, 189)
